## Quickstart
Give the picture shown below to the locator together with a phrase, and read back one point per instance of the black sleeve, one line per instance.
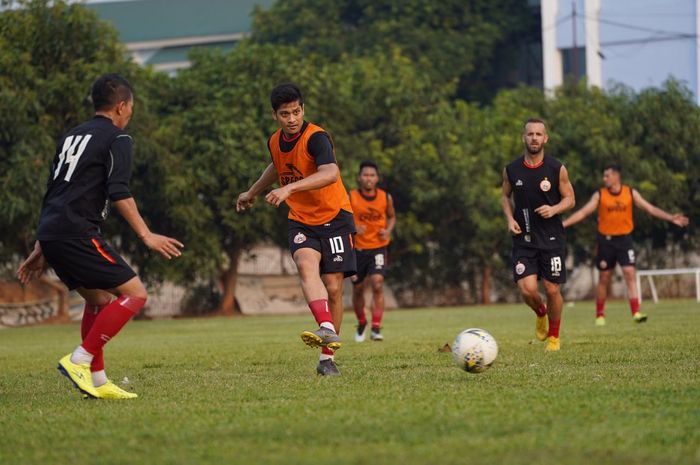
(321, 149)
(119, 173)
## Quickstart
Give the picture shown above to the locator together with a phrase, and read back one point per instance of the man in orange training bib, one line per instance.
(321, 225)
(375, 218)
(614, 203)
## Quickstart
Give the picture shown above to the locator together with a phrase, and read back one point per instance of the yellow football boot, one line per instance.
(109, 390)
(79, 374)
(552, 344)
(600, 321)
(639, 317)
(541, 327)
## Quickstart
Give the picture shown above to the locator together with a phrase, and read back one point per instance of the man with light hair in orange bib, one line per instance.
(614, 203)
(321, 225)
(374, 213)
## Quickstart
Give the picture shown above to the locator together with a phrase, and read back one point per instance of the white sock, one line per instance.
(81, 355)
(329, 325)
(99, 378)
(326, 357)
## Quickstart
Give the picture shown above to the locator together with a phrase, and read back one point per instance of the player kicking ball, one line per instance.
(320, 216)
(541, 191)
(91, 169)
(614, 203)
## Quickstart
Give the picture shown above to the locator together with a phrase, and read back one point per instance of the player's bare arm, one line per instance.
(567, 197)
(166, 246)
(266, 179)
(506, 191)
(678, 218)
(34, 266)
(326, 175)
(385, 233)
(585, 211)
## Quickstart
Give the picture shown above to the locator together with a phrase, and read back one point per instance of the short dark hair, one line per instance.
(368, 164)
(535, 120)
(612, 166)
(110, 89)
(285, 93)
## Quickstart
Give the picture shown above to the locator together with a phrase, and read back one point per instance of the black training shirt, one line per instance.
(92, 167)
(320, 146)
(532, 188)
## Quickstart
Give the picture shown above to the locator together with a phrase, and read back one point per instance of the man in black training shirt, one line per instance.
(92, 169)
(541, 191)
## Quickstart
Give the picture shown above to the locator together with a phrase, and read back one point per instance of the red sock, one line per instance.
(361, 318)
(554, 328)
(377, 315)
(327, 351)
(321, 312)
(110, 321)
(542, 311)
(89, 316)
(599, 307)
(634, 305)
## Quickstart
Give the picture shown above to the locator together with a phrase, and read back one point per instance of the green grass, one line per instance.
(244, 390)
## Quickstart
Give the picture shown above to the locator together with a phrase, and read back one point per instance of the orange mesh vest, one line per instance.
(372, 215)
(615, 212)
(312, 207)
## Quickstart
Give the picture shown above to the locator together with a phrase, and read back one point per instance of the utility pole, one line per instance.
(574, 51)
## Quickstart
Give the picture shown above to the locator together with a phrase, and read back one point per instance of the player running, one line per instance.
(614, 203)
(320, 216)
(92, 168)
(375, 218)
(541, 191)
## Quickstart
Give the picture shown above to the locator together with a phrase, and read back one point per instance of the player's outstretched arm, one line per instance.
(583, 212)
(506, 191)
(325, 175)
(33, 267)
(678, 218)
(166, 246)
(266, 179)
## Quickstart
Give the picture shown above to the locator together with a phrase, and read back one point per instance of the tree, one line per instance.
(457, 42)
(50, 52)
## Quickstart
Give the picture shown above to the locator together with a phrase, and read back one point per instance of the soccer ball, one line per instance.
(474, 350)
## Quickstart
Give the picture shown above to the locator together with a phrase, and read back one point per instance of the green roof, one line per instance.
(145, 20)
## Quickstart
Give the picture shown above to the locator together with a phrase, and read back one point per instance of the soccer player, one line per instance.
(321, 225)
(375, 219)
(541, 191)
(614, 203)
(91, 169)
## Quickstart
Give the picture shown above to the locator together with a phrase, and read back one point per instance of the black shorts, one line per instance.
(612, 250)
(369, 262)
(333, 240)
(87, 263)
(547, 264)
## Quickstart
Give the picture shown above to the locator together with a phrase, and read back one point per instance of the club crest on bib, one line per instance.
(519, 268)
(545, 185)
(299, 238)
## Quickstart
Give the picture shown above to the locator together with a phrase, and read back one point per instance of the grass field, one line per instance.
(244, 390)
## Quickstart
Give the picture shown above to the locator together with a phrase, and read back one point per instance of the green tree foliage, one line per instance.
(50, 52)
(453, 41)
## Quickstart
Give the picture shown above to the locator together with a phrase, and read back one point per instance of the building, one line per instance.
(639, 43)
(160, 33)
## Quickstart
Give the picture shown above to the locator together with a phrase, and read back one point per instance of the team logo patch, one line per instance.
(519, 268)
(299, 238)
(545, 185)
(603, 264)
(337, 258)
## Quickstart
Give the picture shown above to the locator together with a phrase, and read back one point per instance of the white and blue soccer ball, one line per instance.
(474, 350)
